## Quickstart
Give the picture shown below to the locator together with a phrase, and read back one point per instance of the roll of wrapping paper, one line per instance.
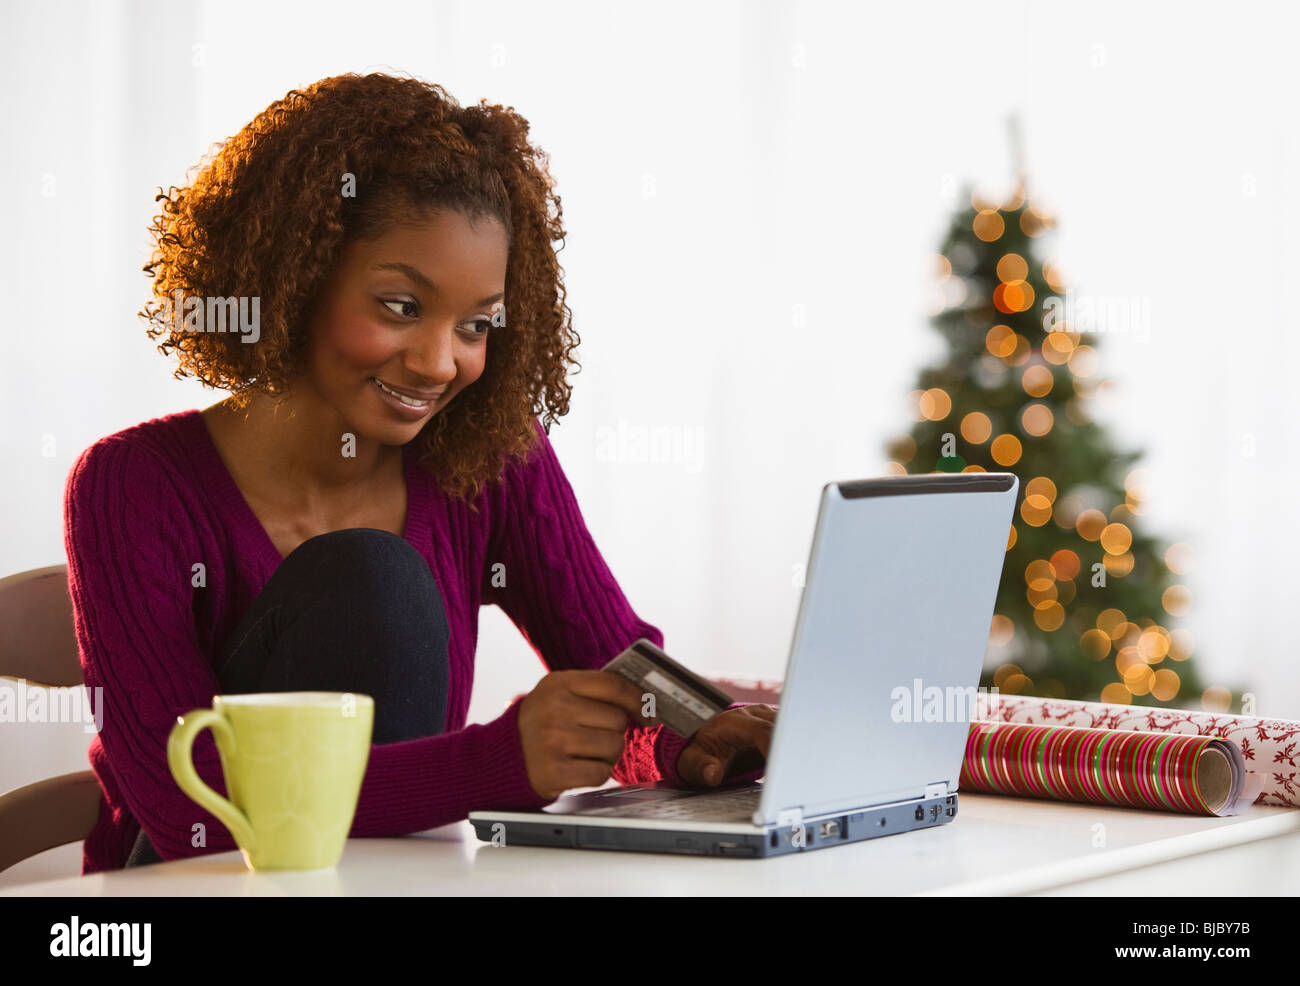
(1166, 772)
(1270, 747)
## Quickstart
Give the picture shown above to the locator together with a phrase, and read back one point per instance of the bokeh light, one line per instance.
(1118, 565)
(1038, 574)
(1126, 658)
(1112, 622)
(1041, 598)
(1095, 644)
(1216, 698)
(1053, 276)
(1082, 361)
(1037, 380)
(1010, 297)
(1139, 678)
(1000, 341)
(988, 225)
(1034, 223)
(1012, 267)
(1090, 524)
(1036, 420)
(1153, 644)
(1004, 672)
(976, 427)
(1050, 617)
(1036, 510)
(1116, 694)
(1006, 450)
(1066, 511)
(1017, 684)
(1166, 685)
(1181, 644)
(904, 449)
(1041, 486)
(1177, 600)
(1116, 539)
(935, 404)
(1065, 564)
(1057, 347)
(1179, 558)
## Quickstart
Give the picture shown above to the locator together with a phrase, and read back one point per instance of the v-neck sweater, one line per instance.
(148, 504)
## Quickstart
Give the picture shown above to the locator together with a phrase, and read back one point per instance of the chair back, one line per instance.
(39, 645)
(37, 640)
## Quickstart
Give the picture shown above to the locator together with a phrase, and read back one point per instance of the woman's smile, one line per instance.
(411, 404)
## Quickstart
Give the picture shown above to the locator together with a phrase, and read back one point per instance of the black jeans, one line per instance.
(355, 610)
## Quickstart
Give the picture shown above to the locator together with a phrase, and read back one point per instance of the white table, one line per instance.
(995, 845)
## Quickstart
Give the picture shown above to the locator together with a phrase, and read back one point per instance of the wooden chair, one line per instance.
(38, 644)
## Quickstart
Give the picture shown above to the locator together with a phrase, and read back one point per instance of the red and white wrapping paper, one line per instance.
(1270, 747)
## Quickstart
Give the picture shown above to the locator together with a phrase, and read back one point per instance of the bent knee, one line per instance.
(359, 550)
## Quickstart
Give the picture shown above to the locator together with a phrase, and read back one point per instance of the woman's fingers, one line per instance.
(735, 742)
(767, 712)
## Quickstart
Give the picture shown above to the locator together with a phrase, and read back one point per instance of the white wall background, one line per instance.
(720, 165)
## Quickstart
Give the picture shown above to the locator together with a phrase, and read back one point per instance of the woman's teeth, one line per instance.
(408, 401)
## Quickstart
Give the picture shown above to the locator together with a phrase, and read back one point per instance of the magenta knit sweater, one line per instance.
(146, 504)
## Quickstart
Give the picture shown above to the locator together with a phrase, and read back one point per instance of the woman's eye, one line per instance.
(405, 304)
(497, 319)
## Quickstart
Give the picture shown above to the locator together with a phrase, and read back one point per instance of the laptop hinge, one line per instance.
(790, 816)
(936, 790)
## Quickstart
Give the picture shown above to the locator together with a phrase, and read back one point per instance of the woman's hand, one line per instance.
(571, 727)
(731, 743)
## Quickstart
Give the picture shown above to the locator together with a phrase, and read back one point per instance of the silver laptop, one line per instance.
(879, 689)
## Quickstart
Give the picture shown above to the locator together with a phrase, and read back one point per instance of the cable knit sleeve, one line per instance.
(132, 539)
(562, 596)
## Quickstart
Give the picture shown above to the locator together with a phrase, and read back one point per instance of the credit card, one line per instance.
(683, 701)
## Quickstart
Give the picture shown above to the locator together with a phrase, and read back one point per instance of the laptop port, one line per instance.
(732, 849)
(920, 813)
(830, 829)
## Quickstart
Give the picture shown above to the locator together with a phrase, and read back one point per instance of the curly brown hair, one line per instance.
(265, 217)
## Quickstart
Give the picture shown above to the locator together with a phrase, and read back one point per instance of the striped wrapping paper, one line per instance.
(1270, 748)
(1163, 771)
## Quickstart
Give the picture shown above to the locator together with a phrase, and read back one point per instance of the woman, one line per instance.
(343, 267)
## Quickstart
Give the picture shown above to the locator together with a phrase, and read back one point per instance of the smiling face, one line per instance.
(401, 326)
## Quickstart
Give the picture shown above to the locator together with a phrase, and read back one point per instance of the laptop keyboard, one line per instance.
(737, 805)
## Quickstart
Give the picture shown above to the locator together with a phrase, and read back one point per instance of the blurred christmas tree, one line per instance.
(1086, 596)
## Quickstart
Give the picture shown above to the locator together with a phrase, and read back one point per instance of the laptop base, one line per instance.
(571, 832)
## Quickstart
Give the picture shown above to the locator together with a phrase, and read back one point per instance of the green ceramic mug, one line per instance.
(293, 764)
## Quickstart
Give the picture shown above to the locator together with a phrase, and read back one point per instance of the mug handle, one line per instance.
(180, 750)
